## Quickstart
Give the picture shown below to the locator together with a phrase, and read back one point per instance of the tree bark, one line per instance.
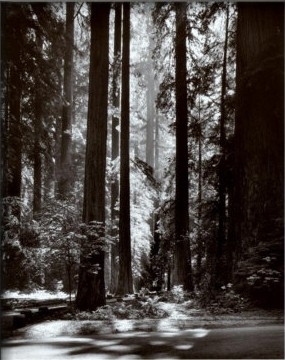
(66, 131)
(37, 189)
(221, 238)
(125, 284)
(182, 274)
(259, 130)
(115, 146)
(200, 195)
(91, 286)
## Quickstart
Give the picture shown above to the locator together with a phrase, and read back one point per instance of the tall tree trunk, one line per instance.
(259, 143)
(37, 189)
(125, 284)
(221, 238)
(115, 146)
(66, 131)
(150, 99)
(150, 119)
(182, 257)
(200, 189)
(91, 285)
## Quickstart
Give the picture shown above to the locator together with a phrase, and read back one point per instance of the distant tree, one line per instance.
(182, 257)
(67, 108)
(125, 283)
(115, 144)
(258, 212)
(91, 284)
(13, 18)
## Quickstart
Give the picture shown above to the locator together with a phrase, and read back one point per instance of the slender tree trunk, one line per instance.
(182, 257)
(66, 132)
(91, 284)
(221, 239)
(115, 147)
(259, 143)
(125, 284)
(150, 98)
(200, 180)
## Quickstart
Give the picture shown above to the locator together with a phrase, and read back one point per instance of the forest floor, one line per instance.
(176, 317)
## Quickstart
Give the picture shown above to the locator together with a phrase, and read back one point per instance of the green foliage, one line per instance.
(131, 309)
(178, 293)
(260, 274)
(224, 301)
(20, 254)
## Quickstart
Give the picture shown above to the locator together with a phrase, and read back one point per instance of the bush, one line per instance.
(134, 309)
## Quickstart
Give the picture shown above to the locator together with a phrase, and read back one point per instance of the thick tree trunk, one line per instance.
(66, 131)
(115, 147)
(220, 273)
(259, 130)
(125, 284)
(182, 274)
(91, 285)
(37, 189)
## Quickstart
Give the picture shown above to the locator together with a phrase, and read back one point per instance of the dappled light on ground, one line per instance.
(229, 343)
(128, 345)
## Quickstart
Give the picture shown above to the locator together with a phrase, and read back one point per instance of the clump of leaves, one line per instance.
(228, 301)
(178, 293)
(260, 274)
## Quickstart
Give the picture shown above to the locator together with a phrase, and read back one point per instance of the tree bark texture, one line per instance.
(125, 284)
(182, 274)
(66, 131)
(91, 287)
(259, 131)
(221, 238)
(115, 146)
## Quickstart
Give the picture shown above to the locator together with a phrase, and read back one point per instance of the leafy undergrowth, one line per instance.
(130, 309)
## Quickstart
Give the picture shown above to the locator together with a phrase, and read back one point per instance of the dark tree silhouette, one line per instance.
(259, 143)
(115, 144)
(182, 274)
(91, 285)
(125, 284)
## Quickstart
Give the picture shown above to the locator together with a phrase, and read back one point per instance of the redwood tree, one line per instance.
(115, 144)
(125, 284)
(221, 275)
(259, 144)
(182, 257)
(91, 285)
